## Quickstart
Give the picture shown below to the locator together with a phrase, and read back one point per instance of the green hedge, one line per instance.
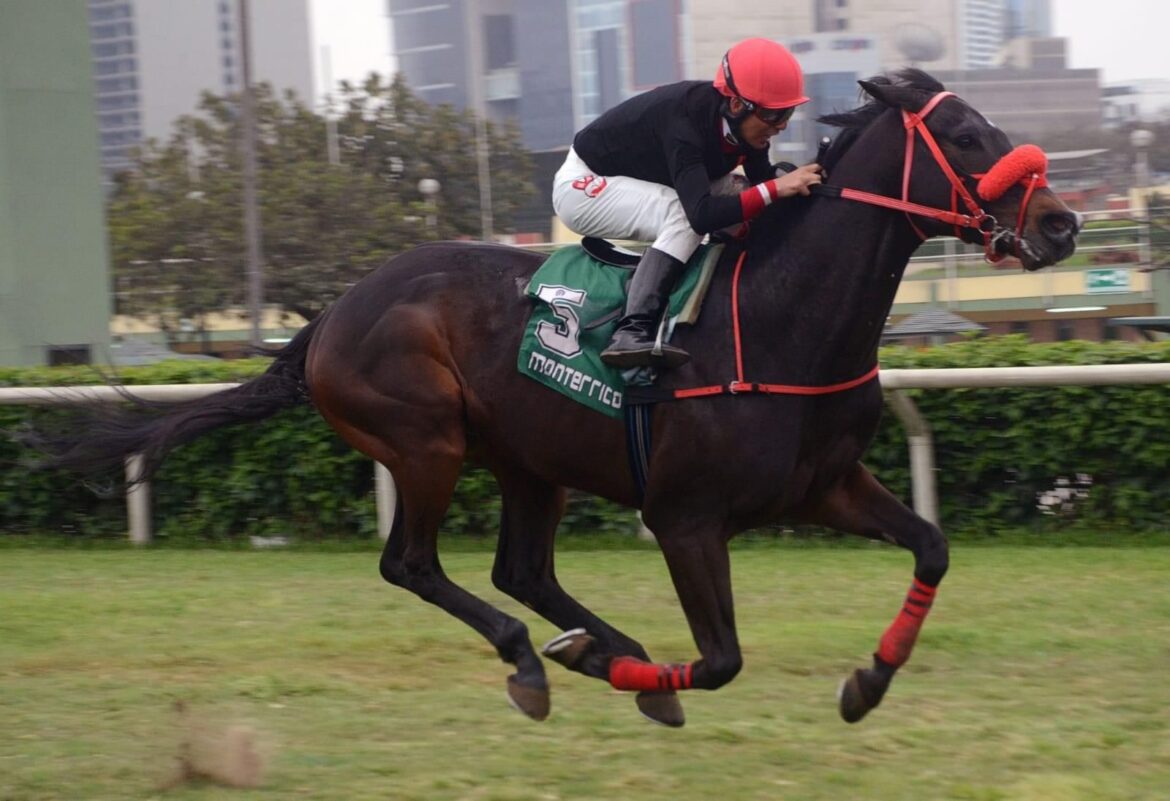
(1002, 456)
(288, 475)
(1000, 452)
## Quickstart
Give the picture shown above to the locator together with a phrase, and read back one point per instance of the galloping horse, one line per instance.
(415, 366)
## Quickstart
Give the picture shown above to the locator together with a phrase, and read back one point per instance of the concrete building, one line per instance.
(550, 65)
(982, 31)
(54, 272)
(1040, 98)
(1029, 19)
(1139, 101)
(957, 34)
(153, 59)
(842, 40)
(832, 63)
(996, 53)
(715, 25)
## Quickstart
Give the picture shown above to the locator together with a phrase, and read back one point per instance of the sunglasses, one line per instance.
(774, 116)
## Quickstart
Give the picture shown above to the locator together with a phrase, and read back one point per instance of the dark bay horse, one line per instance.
(415, 366)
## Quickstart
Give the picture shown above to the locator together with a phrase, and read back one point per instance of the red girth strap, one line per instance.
(739, 386)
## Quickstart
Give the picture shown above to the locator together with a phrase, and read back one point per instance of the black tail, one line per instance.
(101, 439)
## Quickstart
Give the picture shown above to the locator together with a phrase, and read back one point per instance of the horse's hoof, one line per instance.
(568, 648)
(860, 693)
(661, 708)
(532, 701)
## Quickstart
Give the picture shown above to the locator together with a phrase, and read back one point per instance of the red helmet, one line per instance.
(763, 73)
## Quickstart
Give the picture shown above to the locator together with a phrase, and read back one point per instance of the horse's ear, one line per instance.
(895, 96)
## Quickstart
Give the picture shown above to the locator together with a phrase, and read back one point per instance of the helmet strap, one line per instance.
(730, 132)
(735, 118)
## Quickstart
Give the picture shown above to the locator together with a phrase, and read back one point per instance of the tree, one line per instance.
(176, 219)
(399, 138)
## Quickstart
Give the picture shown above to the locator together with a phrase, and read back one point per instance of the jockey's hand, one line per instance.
(798, 181)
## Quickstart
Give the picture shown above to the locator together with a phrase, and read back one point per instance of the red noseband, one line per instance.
(1023, 165)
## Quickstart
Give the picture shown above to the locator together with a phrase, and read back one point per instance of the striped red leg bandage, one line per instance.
(630, 673)
(898, 641)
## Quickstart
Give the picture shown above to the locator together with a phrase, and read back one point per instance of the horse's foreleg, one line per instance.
(700, 569)
(524, 570)
(860, 505)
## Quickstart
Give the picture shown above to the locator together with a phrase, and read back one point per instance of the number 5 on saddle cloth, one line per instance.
(577, 301)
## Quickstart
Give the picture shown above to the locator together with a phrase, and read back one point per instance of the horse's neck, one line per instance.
(815, 294)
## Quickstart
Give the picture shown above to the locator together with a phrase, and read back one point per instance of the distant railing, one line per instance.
(1131, 223)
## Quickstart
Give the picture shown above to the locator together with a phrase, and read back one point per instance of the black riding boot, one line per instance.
(633, 343)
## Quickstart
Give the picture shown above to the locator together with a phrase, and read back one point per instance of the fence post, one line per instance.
(644, 533)
(137, 500)
(386, 497)
(1145, 248)
(921, 455)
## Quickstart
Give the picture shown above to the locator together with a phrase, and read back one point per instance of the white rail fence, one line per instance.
(894, 382)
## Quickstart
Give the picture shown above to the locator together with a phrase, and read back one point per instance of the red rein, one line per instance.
(1025, 165)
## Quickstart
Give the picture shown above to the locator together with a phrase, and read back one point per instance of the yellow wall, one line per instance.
(1011, 285)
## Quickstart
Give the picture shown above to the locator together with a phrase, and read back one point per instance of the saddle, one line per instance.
(578, 296)
(607, 252)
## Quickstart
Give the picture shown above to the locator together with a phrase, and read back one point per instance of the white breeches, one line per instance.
(618, 207)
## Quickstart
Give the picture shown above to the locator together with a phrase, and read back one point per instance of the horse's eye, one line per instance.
(965, 142)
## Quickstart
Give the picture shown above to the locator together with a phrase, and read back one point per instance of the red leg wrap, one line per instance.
(898, 641)
(630, 673)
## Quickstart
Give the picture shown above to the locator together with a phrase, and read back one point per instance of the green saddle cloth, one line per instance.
(577, 302)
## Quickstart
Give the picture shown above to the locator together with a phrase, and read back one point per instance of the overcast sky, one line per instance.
(1126, 39)
(357, 34)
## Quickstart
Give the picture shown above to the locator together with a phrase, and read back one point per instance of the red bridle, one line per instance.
(1025, 165)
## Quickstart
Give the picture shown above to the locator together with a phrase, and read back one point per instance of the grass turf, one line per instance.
(1038, 677)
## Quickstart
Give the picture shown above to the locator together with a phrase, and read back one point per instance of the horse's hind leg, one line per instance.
(405, 409)
(410, 560)
(524, 570)
(860, 505)
(426, 482)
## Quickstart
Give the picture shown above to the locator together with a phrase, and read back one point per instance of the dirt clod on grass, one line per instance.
(210, 751)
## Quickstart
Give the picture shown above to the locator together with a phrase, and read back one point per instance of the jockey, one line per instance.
(656, 168)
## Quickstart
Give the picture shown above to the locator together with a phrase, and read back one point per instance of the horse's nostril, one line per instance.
(1059, 225)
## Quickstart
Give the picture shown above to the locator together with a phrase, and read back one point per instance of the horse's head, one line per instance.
(956, 162)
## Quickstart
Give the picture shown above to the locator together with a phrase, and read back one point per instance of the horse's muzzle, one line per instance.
(1054, 239)
(1058, 230)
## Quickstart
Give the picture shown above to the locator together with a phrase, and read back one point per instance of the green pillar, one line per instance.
(1160, 281)
(54, 263)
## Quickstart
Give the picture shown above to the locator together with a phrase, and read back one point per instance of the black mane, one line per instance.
(853, 122)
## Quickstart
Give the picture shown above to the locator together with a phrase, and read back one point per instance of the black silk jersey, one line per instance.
(673, 135)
